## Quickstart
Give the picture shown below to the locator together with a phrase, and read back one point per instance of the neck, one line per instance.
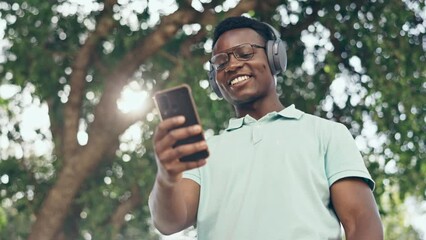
(258, 109)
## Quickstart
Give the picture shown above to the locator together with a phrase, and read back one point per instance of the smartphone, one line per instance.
(179, 101)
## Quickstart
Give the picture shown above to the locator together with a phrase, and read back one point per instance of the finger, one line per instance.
(172, 154)
(163, 129)
(166, 125)
(177, 134)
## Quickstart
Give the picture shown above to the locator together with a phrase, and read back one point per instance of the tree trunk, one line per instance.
(55, 207)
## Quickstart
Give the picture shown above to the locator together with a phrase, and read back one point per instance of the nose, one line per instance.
(233, 63)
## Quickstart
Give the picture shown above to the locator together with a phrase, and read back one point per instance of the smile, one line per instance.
(238, 79)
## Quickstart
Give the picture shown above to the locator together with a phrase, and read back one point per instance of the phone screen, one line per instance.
(179, 101)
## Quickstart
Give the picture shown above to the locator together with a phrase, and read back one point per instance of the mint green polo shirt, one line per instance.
(270, 178)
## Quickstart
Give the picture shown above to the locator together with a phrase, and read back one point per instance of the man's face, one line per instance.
(248, 79)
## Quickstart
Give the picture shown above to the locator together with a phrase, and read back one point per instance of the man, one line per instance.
(275, 173)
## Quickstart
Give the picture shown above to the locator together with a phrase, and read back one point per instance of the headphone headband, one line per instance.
(275, 33)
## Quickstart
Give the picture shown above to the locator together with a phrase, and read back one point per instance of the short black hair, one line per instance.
(242, 22)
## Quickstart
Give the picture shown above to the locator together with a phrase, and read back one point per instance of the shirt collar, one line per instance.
(289, 112)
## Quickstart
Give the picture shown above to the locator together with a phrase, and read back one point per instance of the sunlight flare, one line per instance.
(133, 98)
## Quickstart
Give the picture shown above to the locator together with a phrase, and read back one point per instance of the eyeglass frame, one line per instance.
(232, 50)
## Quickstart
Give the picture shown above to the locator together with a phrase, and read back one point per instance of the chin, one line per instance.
(241, 101)
(245, 96)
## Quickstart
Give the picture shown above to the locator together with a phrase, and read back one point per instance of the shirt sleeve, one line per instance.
(193, 174)
(342, 157)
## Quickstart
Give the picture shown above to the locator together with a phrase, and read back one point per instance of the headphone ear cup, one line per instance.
(277, 56)
(270, 56)
(280, 59)
(212, 82)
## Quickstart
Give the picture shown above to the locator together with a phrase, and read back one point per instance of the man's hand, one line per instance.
(169, 167)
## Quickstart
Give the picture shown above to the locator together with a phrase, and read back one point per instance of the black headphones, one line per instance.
(275, 52)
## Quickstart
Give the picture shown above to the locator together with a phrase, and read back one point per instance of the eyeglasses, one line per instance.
(242, 52)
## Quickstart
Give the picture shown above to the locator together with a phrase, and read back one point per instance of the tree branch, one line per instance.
(295, 30)
(117, 218)
(242, 7)
(146, 48)
(102, 69)
(80, 66)
(107, 117)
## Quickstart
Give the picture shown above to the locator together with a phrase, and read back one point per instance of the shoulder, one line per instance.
(323, 122)
(322, 126)
(214, 139)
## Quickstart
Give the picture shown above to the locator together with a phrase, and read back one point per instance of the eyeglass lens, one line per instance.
(242, 52)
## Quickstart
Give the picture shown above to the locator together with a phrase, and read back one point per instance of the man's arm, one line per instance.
(174, 201)
(174, 208)
(356, 208)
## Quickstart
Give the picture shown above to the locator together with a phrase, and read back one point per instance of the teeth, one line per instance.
(238, 79)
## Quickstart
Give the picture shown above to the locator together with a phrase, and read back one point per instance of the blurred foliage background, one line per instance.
(76, 114)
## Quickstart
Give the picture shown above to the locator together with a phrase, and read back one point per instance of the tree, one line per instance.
(356, 62)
